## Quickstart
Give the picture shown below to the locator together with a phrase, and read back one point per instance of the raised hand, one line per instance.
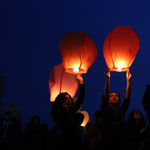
(80, 78)
(107, 73)
(128, 75)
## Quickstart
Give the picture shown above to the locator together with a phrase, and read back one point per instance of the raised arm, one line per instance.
(146, 100)
(80, 78)
(107, 84)
(128, 87)
(105, 97)
(81, 92)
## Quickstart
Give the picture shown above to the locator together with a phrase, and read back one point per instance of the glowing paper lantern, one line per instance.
(120, 48)
(60, 81)
(78, 52)
(86, 118)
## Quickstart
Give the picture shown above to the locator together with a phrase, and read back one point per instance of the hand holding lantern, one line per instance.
(80, 78)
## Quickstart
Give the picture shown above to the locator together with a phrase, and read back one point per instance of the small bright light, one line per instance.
(119, 69)
(76, 70)
(120, 65)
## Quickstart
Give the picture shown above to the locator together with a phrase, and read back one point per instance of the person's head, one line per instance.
(68, 100)
(35, 120)
(59, 105)
(7, 115)
(137, 115)
(62, 99)
(134, 117)
(114, 98)
(97, 116)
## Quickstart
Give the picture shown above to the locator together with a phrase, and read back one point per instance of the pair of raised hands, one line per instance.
(128, 74)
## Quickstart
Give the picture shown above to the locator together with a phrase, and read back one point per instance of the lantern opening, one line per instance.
(120, 67)
(76, 70)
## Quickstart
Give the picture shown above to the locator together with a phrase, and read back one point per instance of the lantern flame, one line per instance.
(76, 70)
(119, 69)
(120, 66)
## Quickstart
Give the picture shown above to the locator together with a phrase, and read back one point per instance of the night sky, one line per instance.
(30, 31)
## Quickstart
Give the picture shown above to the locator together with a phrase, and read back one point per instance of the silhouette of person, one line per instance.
(32, 136)
(136, 125)
(54, 138)
(45, 137)
(146, 100)
(5, 121)
(114, 130)
(146, 105)
(94, 130)
(136, 122)
(64, 113)
(14, 133)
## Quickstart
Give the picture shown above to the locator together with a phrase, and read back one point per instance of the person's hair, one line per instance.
(131, 120)
(8, 113)
(57, 106)
(117, 94)
(98, 114)
(33, 119)
(57, 109)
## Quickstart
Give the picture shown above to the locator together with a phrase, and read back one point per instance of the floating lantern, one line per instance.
(120, 48)
(86, 118)
(78, 52)
(60, 81)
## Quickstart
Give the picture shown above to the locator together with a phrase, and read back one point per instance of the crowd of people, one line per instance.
(107, 130)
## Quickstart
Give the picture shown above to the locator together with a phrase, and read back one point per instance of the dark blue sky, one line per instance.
(29, 35)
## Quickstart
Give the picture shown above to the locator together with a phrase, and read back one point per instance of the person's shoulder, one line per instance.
(89, 125)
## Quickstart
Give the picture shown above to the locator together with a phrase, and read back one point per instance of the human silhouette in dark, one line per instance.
(136, 126)
(146, 104)
(64, 113)
(54, 138)
(146, 101)
(45, 137)
(114, 131)
(5, 131)
(94, 131)
(32, 136)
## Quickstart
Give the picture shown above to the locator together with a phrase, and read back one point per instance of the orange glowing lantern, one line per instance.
(120, 48)
(60, 81)
(86, 118)
(78, 52)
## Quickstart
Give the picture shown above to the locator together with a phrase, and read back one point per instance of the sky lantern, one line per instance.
(78, 52)
(61, 81)
(120, 48)
(86, 118)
